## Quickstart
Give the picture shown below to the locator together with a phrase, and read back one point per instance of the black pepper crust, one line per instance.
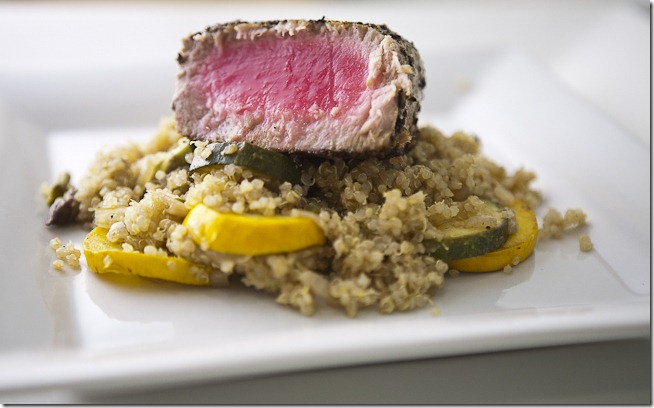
(406, 124)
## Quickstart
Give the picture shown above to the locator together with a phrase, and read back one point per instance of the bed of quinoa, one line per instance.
(376, 214)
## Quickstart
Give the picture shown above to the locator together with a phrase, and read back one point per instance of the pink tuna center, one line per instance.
(296, 76)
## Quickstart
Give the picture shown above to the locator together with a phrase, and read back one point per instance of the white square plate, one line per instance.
(89, 332)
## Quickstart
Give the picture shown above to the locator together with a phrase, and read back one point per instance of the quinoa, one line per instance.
(585, 244)
(555, 224)
(376, 215)
(66, 254)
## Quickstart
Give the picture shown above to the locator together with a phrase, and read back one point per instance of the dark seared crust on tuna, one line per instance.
(406, 126)
(196, 45)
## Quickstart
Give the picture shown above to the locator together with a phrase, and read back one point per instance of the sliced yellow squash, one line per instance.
(103, 256)
(516, 248)
(251, 234)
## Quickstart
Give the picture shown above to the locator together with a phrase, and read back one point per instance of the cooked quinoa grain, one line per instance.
(585, 244)
(66, 254)
(555, 224)
(376, 215)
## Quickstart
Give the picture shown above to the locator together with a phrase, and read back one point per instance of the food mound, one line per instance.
(294, 165)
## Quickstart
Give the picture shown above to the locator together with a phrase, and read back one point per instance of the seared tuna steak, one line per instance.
(320, 87)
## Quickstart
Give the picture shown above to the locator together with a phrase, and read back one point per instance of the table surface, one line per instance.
(600, 50)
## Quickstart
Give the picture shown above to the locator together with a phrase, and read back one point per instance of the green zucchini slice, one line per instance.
(176, 157)
(253, 157)
(466, 241)
(59, 188)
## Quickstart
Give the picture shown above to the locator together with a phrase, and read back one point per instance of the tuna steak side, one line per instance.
(320, 87)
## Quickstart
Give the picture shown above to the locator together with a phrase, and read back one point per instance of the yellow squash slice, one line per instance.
(251, 234)
(103, 256)
(517, 247)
